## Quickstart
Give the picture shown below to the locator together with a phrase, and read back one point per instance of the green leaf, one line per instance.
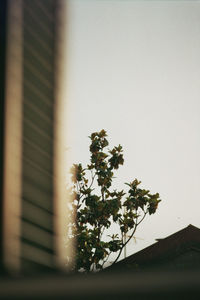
(97, 205)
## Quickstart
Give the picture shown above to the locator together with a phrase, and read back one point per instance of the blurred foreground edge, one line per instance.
(128, 285)
(33, 134)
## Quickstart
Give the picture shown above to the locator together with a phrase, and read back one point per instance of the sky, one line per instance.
(133, 69)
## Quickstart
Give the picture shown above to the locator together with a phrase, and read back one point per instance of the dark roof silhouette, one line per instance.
(165, 250)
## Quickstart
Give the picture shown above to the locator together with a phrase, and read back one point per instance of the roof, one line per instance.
(164, 249)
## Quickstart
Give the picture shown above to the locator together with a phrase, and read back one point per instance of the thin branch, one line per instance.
(124, 244)
(78, 187)
(92, 180)
(102, 194)
(130, 237)
(106, 259)
(142, 217)
(102, 231)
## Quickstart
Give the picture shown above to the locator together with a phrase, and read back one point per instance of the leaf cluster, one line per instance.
(98, 208)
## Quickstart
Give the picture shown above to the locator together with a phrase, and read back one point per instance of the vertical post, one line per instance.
(64, 248)
(124, 238)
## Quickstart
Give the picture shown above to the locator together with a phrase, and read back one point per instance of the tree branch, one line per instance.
(130, 237)
(106, 259)
(93, 177)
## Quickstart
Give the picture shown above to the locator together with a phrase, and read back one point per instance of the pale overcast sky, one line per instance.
(133, 68)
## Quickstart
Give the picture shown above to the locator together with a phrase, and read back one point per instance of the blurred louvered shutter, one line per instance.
(33, 116)
(38, 133)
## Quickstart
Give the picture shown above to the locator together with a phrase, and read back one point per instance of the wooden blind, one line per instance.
(33, 191)
(37, 213)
